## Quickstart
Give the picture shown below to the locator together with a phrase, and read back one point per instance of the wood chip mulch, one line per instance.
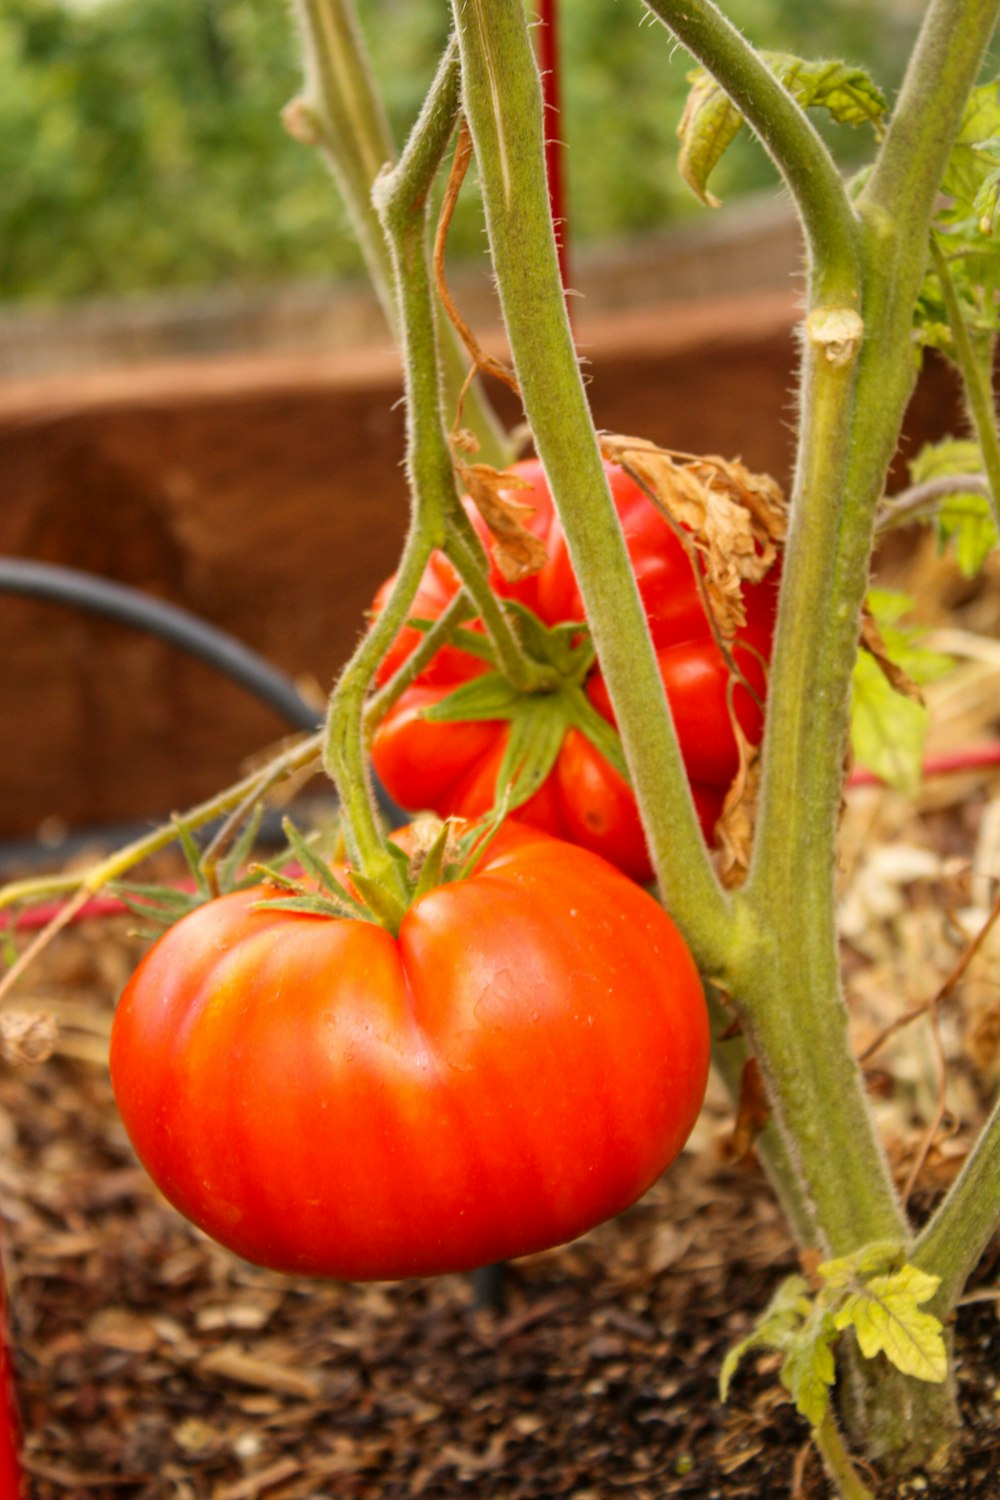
(153, 1364)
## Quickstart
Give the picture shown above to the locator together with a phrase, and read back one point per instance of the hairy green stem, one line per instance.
(956, 1236)
(287, 762)
(503, 106)
(440, 633)
(977, 382)
(401, 197)
(839, 1466)
(794, 146)
(730, 1054)
(942, 69)
(464, 550)
(341, 112)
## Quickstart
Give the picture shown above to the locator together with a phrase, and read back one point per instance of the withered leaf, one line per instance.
(517, 551)
(753, 1111)
(735, 520)
(895, 676)
(734, 829)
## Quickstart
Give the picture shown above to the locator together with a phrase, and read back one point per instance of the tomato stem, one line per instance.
(341, 113)
(508, 133)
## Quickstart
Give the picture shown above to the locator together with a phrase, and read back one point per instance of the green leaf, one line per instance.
(488, 697)
(965, 518)
(872, 1260)
(809, 1369)
(779, 1324)
(886, 1317)
(711, 121)
(888, 731)
(902, 642)
(973, 158)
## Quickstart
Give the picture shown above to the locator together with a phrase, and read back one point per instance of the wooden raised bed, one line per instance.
(265, 493)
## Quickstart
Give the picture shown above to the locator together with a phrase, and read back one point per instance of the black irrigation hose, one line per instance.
(117, 601)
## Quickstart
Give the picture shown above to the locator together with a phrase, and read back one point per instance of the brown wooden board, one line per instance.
(266, 494)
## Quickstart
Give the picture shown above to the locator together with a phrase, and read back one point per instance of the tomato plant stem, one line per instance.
(975, 378)
(341, 112)
(503, 106)
(841, 1470)
(965, 1222)
(796, 148)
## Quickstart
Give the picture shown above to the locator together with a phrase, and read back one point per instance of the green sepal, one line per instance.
(566, 646)
(432, 871)
(472, 642)
(484, 698)
(386, 908)
(536, 735)
(318, 868)
(240, 852)
(315, 906)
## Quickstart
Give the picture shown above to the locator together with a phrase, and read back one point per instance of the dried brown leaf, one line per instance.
(517, 551)
(872, 642)
(735, 519)
(734, 829)
(753, 1111)
(27, 1037)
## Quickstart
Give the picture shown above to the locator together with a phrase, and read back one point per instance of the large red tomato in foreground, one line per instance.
(522, 1062)
(452, 768)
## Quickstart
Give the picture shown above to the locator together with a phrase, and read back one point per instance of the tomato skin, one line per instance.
(451, 768)
(522, 1062)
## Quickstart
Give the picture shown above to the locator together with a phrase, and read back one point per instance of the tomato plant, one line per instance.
(518, 1064)
(453, 766)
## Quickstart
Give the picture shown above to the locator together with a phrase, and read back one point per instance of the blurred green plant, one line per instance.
(140, 145)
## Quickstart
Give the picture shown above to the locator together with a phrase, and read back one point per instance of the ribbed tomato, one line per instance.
(451, 768)
(520, 1063)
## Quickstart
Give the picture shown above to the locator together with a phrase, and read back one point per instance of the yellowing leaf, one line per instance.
(711, 121)
(809, 1371)
(887, 1319)
(888, 731)
(517, 551)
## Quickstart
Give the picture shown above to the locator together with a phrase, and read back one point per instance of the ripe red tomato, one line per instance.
(451, 768)
(522, 1062)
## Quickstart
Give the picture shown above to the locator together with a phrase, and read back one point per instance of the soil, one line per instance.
(154, 1364)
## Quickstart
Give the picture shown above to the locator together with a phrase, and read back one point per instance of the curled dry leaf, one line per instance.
(734, 830)
(27, 1036)
(735, 520)
(872, 642)
(517, 551)
(753, 1111)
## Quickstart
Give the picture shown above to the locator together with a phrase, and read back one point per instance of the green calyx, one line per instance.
(442, 852)
(538, 721)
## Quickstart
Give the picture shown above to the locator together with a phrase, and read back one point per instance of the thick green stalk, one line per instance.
(942, 70)
(956, 1236)
(976, 378)
(730, 1054)
(340, 111)
(794, 146)
(465, 551)
(503, 106)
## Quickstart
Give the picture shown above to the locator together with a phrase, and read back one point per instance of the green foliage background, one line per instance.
(140, 144)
